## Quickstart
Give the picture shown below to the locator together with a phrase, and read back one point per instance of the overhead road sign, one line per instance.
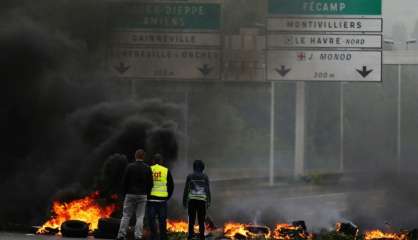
(323, 65)
(165, 40)
(325, 7)
(165, 63)
(286, 40)
(163, 15)
(322, 24)
(324, 40)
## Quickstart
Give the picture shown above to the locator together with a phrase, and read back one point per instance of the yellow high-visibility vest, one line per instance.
(159, 175)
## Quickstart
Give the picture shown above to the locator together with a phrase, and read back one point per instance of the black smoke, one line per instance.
(62, 120)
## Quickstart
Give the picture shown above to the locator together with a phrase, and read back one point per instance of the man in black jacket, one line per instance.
(196, 198)
(137, 184)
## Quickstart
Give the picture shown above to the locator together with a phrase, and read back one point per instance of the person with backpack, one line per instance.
(196, 198)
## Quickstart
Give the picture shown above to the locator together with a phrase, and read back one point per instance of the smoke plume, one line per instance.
(61, 117)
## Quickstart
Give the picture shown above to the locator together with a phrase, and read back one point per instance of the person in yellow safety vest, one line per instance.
(157, 200)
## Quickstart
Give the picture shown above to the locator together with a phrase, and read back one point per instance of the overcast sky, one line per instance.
(403, 11)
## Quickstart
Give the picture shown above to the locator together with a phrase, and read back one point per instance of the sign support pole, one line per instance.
(272, 131)
(299, 168)
(399, 120)
(342, 127)
(133, 89)
(186, 125)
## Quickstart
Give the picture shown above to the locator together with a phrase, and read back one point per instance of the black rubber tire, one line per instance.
(74, 229)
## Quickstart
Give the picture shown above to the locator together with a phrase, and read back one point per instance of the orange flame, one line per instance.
(85, 209)
(231, 229)
(286, 231)
(181, 226)
(177, 226)
(377, 234)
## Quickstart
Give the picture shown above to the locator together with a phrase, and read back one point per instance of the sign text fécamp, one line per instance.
(325, 7)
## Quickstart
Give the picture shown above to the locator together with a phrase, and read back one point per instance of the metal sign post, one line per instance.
(272, 132)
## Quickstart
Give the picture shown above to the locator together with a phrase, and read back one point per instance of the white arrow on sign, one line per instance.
(166, 63)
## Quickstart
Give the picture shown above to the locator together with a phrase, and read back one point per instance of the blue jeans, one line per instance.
(133, 204)
(159, 209)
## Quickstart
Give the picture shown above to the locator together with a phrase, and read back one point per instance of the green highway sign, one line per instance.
(325, 7)
(148, 15)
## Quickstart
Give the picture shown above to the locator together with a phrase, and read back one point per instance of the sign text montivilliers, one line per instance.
(325, 7)
(320, 24)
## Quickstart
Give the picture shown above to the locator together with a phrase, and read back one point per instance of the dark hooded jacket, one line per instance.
(137, 179)
(197, 185)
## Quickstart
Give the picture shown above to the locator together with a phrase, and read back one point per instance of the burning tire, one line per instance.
(75, 229)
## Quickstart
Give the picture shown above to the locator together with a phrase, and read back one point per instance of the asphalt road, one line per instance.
(319, 206)
(21, 236)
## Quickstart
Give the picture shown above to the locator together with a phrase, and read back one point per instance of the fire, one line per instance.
(377, 234)
(85, 209)
(181, 226)
(232, 229)
(177, 226)
(239, 230)
(287, 231)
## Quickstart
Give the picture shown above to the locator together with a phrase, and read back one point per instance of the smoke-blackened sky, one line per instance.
(60, 117)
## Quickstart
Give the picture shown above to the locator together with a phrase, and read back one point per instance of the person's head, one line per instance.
(157, 159)
(139, 154)
(198, 166)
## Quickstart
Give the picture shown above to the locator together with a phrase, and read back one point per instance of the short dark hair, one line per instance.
(139, 154)
(198, 165)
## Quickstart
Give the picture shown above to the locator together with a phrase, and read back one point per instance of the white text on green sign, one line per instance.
(147, 15)
(325, 7)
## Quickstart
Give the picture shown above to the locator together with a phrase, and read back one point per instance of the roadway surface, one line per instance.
(21, 236)
(320, 206)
